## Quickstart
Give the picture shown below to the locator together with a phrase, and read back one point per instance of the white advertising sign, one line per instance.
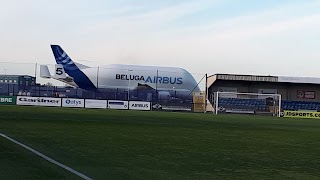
(114, 104)
(139, 105)
(311, 80)
(70, 102)
(230, 92)
(93, 103)
(266, 91)
(38, 101)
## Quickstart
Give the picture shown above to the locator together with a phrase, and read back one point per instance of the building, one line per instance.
(21, 80)
(12, 84)
(296, 92)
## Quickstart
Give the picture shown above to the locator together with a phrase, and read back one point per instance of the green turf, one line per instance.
(107, 144)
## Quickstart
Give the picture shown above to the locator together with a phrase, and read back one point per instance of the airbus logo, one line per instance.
(151, 79)
(140, 105)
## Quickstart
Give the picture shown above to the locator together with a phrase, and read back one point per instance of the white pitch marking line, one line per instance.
(47, 158)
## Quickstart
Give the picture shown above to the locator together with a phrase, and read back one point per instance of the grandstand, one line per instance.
(297, 93)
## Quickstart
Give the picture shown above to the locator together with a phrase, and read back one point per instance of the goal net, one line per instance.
(247, 103)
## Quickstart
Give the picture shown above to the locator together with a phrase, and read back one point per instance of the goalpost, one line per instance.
(247, 103)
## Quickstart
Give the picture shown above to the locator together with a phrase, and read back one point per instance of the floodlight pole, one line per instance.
(157, 84)
(206, 94)
(279, 110)
(35, 72)
(129, 70)
(98, 78)
(217, 101)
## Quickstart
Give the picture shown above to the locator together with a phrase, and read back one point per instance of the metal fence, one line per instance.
(165, 103)
(41, 89)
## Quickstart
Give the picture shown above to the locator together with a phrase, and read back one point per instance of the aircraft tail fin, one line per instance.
(62, 58)
(81, 66)
(71, 68)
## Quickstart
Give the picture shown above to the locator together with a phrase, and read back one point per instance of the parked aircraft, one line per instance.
(167, 81)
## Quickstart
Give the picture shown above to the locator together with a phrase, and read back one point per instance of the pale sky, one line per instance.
(264, 37)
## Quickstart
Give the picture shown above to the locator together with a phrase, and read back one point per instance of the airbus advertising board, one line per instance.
(93, 103)
(140, 105)
(70, 102)
(38, 101)
(114, 104)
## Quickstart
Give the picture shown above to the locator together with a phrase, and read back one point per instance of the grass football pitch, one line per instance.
(115, 144)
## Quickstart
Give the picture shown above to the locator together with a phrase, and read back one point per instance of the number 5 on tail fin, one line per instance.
(59, 72)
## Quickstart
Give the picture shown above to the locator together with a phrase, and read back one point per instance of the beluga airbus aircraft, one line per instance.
(168, 81)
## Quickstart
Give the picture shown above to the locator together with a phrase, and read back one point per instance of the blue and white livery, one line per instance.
(166, 80)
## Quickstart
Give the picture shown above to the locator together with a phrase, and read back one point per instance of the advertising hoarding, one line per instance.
(38, 101)
(140, 105)
(301, 114)
(98, 104)
(70, 102)
(114, 104)
(8, 100)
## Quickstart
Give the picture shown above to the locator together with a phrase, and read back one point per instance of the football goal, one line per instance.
(247, 103)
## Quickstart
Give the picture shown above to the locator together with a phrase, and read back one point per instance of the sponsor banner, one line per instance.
(176, 108)
(8, 100)
(93, 103)
(236, 110)
(228, 89)
(311, 80)
(301, 114)
(70, 102)
(140, 105)
(38, 101)
(239, 111)
(267, 91)
(114, 104)
(167, 107)
(306, 94)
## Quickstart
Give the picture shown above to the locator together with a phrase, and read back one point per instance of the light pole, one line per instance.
(129, 70)
(98, 69)
(175, 92)
(157, 83)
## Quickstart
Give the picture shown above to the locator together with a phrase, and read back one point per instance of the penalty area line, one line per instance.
(47, 158)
